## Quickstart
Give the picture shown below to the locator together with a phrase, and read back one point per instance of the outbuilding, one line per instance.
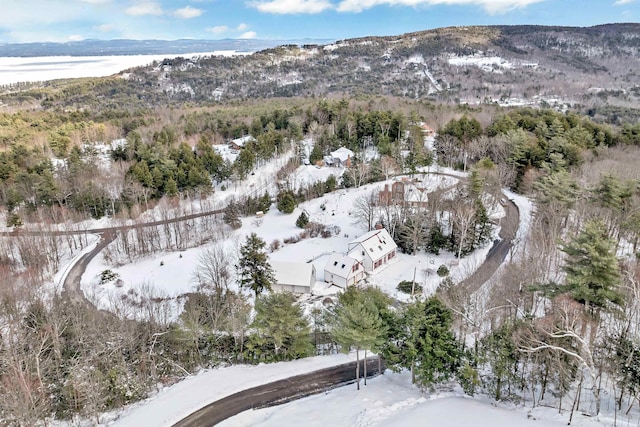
(296, 277)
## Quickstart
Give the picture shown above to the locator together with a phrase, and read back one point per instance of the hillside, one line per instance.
(510, 65)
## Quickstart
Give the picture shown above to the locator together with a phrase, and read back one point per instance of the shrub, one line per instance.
(275, 245)
(406, 286)
(108, 276)
(292, 239)
(442, 271)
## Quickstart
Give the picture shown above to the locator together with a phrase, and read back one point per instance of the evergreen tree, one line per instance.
(592, 268)
(500, 352)
(281, 330)
(316, 154)
(231, 215)
(286, 202)
(253, 268)
(356, 322)
(330, 184)
(302, 220)
(425, 343)
(171, 188)
(264, 203)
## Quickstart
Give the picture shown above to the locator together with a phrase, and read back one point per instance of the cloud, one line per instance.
(491, 6)
(75, 38)
(242, 27)
(145, 8)
(104, 28)
(95, 1)
(248, 35)
(623, 2)
(218, 29)
(283, 7)
(188, 12)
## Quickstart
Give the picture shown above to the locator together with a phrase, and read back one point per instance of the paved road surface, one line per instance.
(277, 392)
(498, 252)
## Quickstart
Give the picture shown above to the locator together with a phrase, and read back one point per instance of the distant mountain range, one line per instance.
(143, 47)
(594, 69)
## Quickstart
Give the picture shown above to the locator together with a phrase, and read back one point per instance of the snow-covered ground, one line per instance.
(35, 69)
(176, 402)
(390, 400)
(387, 400)
(489, 63)
(170, 274)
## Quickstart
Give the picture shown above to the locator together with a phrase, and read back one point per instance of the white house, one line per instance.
(341, 157)
(342, 270)
(373, 249)
(296, 277)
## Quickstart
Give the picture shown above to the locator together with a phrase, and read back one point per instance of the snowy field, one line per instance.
(36, 69)
(169, 275)
(391, 401)
(176, 402)
(388, 400)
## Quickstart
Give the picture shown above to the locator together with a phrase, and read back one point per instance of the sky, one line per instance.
(72, 20)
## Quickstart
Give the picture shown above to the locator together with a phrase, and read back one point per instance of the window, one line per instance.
(379, 247)
(362, 253)
(377, 264)
(342, 265)
(355, 267)
(371, 250)
(335, 263)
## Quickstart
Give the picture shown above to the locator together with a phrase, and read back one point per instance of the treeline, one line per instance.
(525, 142)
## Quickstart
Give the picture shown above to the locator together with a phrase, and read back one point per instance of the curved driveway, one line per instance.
(277, 392)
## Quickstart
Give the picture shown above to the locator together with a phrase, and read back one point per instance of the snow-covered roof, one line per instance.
(293, 273)
(339, 265)
(342, 153)
(376, 243)
(243, 140)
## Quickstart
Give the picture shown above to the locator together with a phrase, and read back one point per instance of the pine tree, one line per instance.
(426, 343)
(357, 323)
(592, 268)
(171, 188)
(264, 203)
(316, 154)
(302, 220)
(254, 269)
(281, 330)
(286, 202)
(231, 215)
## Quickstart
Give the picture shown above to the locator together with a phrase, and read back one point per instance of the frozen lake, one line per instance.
(34, 69)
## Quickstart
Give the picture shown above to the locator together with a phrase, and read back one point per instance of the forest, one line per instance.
(560, 319)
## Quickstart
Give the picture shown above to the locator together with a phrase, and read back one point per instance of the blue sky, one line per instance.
(67, 20)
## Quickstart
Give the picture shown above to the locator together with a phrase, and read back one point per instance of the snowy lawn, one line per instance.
(390, 400)
(176, 402)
